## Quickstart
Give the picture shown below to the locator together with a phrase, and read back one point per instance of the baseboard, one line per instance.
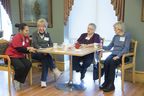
(60, 65)
(139, 76)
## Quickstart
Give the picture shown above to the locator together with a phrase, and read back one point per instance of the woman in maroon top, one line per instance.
(86, 40)
(18, 47)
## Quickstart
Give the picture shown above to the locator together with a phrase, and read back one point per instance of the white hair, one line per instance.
(92, 24)
(42, 21)
(120, 25)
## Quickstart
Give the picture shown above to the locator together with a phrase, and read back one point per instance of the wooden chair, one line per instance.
(97, 57)
(36, 64)
(6, 62)
(125, 65)
(96, 67)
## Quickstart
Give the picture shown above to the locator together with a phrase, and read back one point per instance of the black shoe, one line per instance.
(77, 70)
(109, 88)
(96, 73)
(104, 85)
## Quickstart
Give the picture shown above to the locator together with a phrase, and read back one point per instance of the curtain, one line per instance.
(67, 8)
(6, 5)
(119, 8)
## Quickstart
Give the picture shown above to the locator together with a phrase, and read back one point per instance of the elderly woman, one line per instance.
(120, 44)
(86, 40)
(42, 39)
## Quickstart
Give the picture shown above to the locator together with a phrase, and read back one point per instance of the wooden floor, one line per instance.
(92, 88)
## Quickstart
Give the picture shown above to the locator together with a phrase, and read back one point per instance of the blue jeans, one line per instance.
(47, 62)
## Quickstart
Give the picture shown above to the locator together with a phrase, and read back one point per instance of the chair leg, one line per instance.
(9, 83)
(133, 74)
(94, 72)
(99, 72)
(122, 81)
(30, 77)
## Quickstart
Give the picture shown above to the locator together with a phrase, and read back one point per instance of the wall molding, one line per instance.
(139, 76)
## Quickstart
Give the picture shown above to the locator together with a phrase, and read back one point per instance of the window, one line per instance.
(5, 24)
(99, 12)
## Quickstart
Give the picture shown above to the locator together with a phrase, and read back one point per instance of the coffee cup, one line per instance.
(55, 45)
(77, 45)
(96, 45)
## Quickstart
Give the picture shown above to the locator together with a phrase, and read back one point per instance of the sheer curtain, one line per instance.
(6, 5)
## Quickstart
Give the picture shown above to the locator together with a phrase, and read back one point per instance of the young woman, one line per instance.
(17, 49)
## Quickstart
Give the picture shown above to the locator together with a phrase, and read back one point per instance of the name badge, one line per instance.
(27, 40)
(87, 38)
(122, 38)
(46, 39)
(23, 43)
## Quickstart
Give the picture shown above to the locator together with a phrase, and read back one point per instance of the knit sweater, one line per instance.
(119, 44)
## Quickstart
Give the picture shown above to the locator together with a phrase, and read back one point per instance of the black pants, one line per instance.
(109, 68)
(86, 62)
(21, 67)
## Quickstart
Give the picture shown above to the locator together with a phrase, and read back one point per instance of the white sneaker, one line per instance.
(43, 84)
(17, 85)
(57, 73)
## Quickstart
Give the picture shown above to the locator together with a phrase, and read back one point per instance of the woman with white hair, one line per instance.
(87, 39)
(120, 44)
(41, 39)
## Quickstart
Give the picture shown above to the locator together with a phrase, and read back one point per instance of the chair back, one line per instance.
(3, 46)
(133, 46)
(5, 62)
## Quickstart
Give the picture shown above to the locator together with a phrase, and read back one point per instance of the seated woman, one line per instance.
(86, 40)
(41, 39)
(18, 47)
(120, 44)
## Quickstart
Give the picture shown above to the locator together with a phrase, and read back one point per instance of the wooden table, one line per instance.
(70, 52)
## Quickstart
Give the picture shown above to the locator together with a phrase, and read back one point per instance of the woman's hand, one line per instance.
(115, 58)
(31, 49)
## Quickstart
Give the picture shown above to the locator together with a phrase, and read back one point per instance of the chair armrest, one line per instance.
(6, 57)
(106, 50)
(29, 56)
(104, 54)
(126, 55)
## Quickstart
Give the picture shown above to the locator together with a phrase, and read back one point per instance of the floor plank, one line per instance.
(92, 88)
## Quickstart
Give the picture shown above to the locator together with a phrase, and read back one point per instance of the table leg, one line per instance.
(70, 86)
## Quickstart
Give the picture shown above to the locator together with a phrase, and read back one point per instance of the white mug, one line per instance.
(96, 45)
(55, 45)
(65, 46)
